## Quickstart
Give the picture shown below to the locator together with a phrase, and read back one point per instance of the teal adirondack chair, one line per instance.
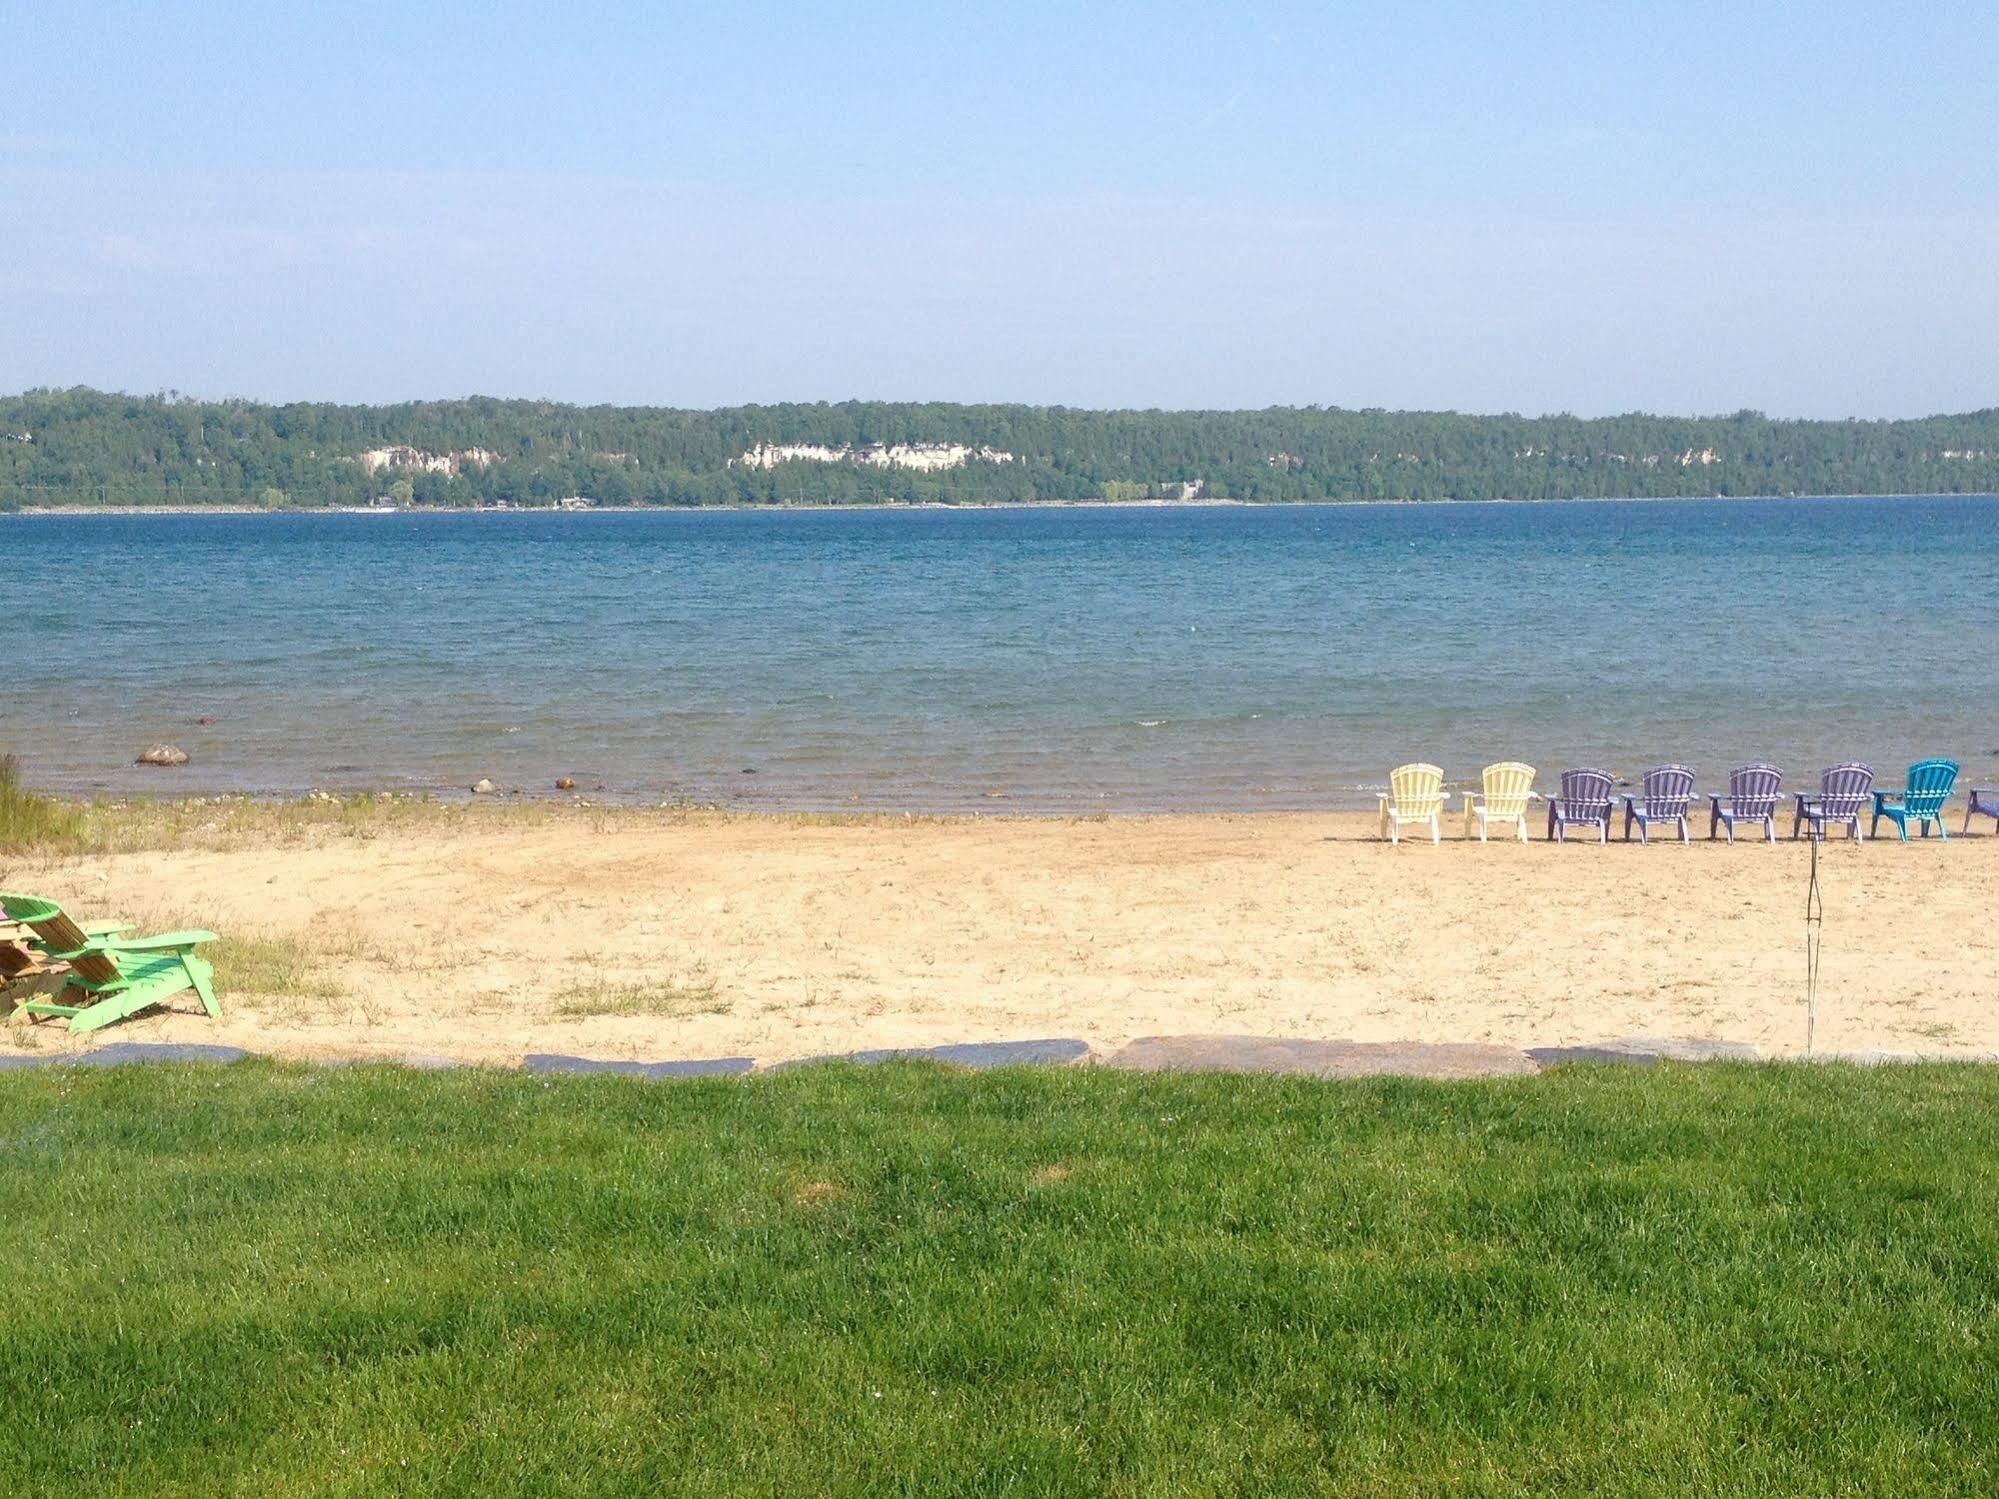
(1920, 801)
(111, 977)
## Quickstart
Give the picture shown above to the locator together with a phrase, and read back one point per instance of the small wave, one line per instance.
(1151, 723)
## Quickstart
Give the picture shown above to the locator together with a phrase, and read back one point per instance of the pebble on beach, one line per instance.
(564, 783)
(162, 754)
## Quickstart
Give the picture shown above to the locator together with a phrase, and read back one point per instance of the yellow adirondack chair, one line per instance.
(1415, 795)
(1508, 787)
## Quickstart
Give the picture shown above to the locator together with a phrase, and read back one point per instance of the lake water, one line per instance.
(1070, 659)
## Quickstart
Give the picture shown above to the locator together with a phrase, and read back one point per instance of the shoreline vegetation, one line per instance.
(893, 506)
(86, 449)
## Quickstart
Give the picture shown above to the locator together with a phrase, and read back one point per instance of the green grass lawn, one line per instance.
(269, 1280)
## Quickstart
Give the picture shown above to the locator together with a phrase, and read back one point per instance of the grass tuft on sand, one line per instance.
(293, 965)
(669, 1000)
(1714, 1280)
(28, 821)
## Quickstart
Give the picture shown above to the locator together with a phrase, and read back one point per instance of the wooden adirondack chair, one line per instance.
(1921, 800)
(1584, 802)
(1415, 796)
(1752, 797)
(1843, 791)
(23, 954)
(17, 951)
(1506, 789)
(111, 977)
(1665, 792)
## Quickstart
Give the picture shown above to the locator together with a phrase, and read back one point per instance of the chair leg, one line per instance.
(202, 976)
(1436, 833)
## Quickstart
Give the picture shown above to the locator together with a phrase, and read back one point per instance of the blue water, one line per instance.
(998, 659)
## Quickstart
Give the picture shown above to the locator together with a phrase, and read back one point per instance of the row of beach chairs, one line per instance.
(1589, 797)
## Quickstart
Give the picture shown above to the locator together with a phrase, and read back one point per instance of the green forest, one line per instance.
(88, 447)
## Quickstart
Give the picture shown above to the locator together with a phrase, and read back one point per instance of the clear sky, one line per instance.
(1687, 208)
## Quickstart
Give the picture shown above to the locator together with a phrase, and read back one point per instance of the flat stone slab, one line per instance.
(1321, 1058)
(1569, 1056)
(1683, 1048)
(977, 1055)
(127, 1053)
(545, 1064)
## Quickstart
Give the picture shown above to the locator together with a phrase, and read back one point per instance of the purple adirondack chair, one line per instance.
(1667, 790)
(1984, 803)
(1584, 801)
(1752, 797)
(1843, 791)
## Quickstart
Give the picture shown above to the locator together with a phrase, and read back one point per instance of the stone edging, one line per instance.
(1241, 1054)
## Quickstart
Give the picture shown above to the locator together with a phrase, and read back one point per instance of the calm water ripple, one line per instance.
(999, 659)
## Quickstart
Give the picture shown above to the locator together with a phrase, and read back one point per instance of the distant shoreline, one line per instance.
(1205, 504)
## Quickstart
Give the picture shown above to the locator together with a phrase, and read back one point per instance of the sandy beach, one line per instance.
(484, 934)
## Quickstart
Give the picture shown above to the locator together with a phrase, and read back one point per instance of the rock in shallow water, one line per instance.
(162, 754)
(482, 787)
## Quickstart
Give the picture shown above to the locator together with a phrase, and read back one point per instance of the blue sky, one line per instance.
(1483, 207)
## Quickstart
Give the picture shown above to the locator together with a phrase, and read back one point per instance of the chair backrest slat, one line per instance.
(1667, 790)
(1929, 787)
(1844, 789)
(1586, 794)
(58, 934)
(1753, 790)
(1507, 786)
(1418, 790)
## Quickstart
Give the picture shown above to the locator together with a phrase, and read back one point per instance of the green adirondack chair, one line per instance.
(1920, 801)
(111, 977)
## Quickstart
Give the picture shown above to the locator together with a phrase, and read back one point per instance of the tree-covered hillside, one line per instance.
(87, 447)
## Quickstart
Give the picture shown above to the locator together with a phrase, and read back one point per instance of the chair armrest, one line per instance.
(165, 942)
